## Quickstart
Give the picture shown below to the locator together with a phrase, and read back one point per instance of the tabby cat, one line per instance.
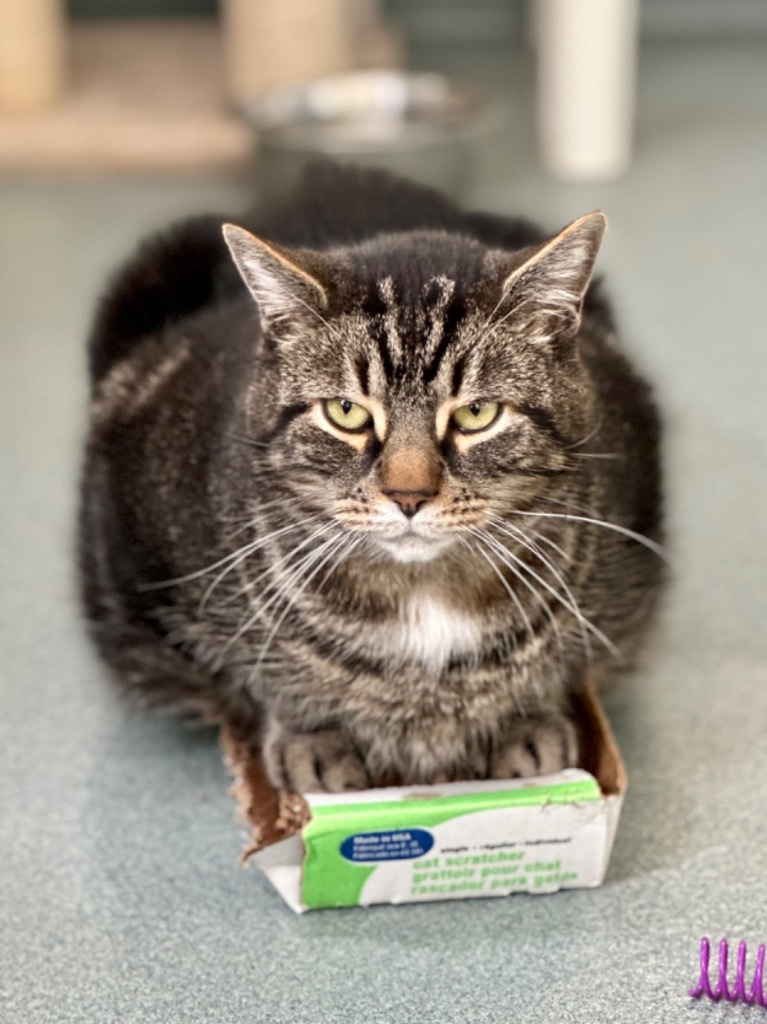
(379, 490)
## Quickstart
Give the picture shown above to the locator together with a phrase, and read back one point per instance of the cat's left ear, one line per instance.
(550, 285)
(282, 282)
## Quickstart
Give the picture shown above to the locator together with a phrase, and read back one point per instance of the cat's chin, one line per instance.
(412, 548)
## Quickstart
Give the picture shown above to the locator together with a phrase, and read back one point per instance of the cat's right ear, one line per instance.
(276, 278)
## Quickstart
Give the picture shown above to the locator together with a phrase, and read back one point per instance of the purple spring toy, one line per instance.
(721, 990)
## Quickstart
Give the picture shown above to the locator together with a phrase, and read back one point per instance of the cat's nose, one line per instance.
(410, 501)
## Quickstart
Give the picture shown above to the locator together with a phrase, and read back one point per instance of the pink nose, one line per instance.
(410, 501)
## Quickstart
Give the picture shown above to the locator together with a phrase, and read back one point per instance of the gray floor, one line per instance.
(120, 895)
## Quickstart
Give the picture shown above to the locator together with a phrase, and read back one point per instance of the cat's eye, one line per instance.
(347, 415)
(476, 416)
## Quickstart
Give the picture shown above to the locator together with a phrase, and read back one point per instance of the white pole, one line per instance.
(586, 84)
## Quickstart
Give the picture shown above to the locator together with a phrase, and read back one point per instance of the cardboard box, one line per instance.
(409, 844)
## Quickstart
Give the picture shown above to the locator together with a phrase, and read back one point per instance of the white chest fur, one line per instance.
(432, 632)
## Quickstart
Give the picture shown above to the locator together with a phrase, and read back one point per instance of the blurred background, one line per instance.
(121, 895)
(189, 85)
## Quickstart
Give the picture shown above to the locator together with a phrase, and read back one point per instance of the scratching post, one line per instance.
(270, 43)
(32, 53)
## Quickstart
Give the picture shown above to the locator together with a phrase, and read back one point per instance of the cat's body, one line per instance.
(296, 518)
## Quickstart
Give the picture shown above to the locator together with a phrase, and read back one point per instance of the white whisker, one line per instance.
(552, 544)
(206, 596)
(235, 556)
(349, 544)
(584, 623)
(333, 332)
(504, 554)
(282, 585)
(593, 433)
(597, 455)
(250, 441)
(282, 560)
(479, 535)
(505, 634)
(631, 534)
(293, 597)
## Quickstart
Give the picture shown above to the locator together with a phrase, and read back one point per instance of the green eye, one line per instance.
(475, 416)
(347, 415)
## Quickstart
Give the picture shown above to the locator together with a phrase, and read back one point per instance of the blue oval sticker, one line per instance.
(394, 844)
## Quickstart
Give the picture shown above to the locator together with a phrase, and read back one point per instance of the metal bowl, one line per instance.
(420, 125)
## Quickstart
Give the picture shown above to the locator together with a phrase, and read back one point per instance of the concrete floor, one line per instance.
(120, 895)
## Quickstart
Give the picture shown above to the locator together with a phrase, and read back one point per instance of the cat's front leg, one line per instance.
(541, 744)
(311, 762)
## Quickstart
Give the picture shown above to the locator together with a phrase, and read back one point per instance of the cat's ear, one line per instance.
(281, 282)
(548, 287)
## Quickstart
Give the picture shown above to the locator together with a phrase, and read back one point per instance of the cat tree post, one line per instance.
(270, 43)
(32, 53)
(586, 81)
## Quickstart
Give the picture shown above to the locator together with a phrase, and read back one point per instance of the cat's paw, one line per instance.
(316, 762)
(538, 745)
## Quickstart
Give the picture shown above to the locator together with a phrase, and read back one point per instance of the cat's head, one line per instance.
(418, 384)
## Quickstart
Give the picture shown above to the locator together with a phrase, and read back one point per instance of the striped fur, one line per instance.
(409, 600)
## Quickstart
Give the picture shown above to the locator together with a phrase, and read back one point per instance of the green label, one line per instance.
(346, 843)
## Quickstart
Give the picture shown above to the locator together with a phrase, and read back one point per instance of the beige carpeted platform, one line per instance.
(141, 96)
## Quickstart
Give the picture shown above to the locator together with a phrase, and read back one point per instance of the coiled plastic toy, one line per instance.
(737, 993)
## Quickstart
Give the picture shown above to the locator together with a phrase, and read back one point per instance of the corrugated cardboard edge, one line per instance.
(602, 759)
(269, 814)
(272, 815)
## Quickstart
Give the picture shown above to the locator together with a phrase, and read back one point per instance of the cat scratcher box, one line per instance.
(453, 841)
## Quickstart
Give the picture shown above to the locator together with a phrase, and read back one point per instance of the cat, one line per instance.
(372, 483)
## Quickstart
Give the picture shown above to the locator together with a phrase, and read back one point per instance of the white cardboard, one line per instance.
(536, 849)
